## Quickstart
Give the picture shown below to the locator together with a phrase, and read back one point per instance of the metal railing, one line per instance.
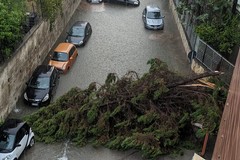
(205, 54)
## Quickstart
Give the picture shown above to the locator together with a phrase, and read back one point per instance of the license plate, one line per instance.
(34, 104)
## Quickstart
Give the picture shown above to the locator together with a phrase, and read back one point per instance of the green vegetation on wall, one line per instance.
(11, 21)
(50, 8)
(214, 23)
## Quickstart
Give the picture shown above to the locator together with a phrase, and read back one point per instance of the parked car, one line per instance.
(63, 57)
(79, 33)
(95, 1)
(41, 86)
(126, 2)
(152, 17)
(15, 137)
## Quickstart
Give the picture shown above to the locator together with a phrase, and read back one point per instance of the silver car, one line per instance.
(152, 17)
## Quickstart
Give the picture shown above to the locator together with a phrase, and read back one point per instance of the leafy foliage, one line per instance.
(11, 20)
(215, 23)
(125, 113)
(50, 8)
(222, 38)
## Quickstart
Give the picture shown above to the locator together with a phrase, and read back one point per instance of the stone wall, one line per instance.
(29, 55)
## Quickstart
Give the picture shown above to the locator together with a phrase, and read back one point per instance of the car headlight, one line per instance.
(25, 96)
(8, 157)
(135, 2)
(64, 66)
(81, 42)
(45, 98)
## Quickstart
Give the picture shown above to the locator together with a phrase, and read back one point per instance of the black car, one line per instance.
(126, 2)
(15, 137)
(79, 33)
(41, 86)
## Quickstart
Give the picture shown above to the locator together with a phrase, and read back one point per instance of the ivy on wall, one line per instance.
(11, 21)
(48, 9)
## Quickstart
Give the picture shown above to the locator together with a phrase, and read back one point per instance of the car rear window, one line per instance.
(77, 31)
(60, 56)
(154, 15)
(40, 82)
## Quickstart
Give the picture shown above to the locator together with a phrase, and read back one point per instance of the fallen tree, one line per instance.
(153, 114)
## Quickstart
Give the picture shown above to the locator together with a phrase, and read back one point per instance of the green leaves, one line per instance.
(215, 24)
(11, 20)
(222, 37)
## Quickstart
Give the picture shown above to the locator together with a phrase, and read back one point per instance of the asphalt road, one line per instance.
(119, 43)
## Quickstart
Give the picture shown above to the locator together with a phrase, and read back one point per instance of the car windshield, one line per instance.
(154, 15)
(6, 142)
(77, 31)
(40, 82)
(60, 56)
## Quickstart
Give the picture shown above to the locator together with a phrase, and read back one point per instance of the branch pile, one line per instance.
(153, 114)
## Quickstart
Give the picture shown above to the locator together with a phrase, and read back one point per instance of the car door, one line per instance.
(88, 31)
(54, 81)
(21, 141)
(70, 57)
(72, 54)
(144, 15)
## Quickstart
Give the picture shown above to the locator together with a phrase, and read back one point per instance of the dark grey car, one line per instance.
(41, 86)
(79, 33)
(152, 17)
(126, 2)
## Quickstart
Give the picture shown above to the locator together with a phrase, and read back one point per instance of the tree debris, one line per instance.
(153, 114)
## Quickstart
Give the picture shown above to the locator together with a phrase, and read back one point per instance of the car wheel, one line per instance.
(32, 142)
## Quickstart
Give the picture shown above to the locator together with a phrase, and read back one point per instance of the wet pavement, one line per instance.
(119, 43)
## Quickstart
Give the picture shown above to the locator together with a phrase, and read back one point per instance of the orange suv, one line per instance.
(63, 57)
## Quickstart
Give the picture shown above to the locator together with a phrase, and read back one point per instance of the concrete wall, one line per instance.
(28, 56)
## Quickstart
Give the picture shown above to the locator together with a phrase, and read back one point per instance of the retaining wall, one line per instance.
(32, 52)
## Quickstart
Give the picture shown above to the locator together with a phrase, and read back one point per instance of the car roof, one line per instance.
(12, 126)
(43, 71)
(153, 8)
(80, 23)
(63, 47)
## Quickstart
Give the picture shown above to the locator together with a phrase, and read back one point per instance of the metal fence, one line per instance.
(206, 55)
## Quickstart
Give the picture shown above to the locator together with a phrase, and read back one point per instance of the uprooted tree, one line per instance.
(153, 114)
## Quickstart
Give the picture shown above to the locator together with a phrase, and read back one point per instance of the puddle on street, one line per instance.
(64, 156)
(94, 7)
(161, 35)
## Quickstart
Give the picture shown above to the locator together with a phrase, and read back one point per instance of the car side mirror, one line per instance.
(163, 17)
(144, 15)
